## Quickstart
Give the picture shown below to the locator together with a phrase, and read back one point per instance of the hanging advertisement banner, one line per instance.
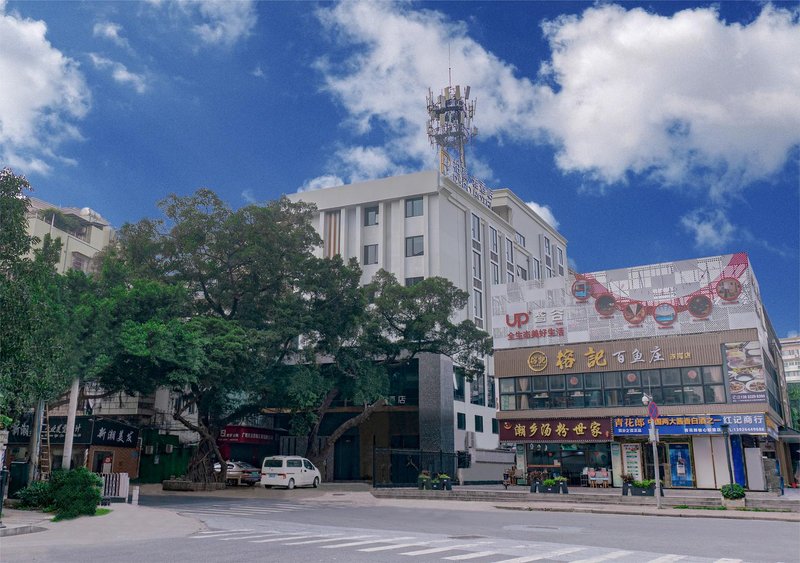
(695, 424)
(680, 465)
(746, 380)
(632, 460)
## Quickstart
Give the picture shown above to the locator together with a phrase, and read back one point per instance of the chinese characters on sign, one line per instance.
(691, 424)
(546, 324)
(556, 430)
(453, 170)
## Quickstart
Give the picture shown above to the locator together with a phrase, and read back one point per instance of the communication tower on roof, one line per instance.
(450, 120)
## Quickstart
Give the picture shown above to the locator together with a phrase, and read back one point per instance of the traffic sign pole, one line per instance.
(652, 411)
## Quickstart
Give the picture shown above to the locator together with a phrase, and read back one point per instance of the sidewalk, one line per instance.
(125, 522)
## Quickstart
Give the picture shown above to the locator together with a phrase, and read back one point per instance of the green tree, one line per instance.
(399, 324)
(36, 343)
(794, 403)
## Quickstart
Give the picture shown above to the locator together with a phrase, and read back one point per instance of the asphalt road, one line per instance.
(302, 529)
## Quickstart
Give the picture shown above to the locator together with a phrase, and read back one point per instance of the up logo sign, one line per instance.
(518, 319)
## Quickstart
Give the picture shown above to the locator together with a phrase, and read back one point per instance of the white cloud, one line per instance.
(545, 213)
(321, 182)
(710, 228)
(686, 100)
(258, 72)
(215, 22)
(110, 31)
(249, 196)
(792, 334)
(683, 99)
(42, 94)
(120, 73)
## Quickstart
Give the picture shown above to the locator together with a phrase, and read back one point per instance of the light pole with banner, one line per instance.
(652, 412)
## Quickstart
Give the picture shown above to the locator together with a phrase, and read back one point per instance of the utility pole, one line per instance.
(66, 459)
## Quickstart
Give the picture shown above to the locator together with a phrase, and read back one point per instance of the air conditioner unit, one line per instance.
(167, 448)
(148, 450)
(469, 440)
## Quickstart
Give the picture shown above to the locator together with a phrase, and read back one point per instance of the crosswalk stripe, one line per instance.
(549, 555)
(728, 561)
(667, 559)
(273, 507)
(399, 546)
(606, 557)
(438, 549)
(326, 540)
(284, 539)
(220, 534)
(225, 531)
(250, 510)
(471, 555)
(366, 542)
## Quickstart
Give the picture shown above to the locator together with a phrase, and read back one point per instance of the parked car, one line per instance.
(240, 473)
(289, 471)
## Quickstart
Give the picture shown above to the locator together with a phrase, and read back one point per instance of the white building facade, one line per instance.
(423, 225)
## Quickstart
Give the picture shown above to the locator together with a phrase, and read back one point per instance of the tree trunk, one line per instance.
(312, 447)
(344, 427)
(201, 464)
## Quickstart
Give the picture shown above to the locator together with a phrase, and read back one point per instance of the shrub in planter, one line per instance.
(424, 480)
(447, 483)
(562, 483)
(550, 486)
(643, 488)
(733, 491)
(75, 492)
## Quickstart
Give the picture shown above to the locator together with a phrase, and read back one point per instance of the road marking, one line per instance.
(399, 546)
(606, 557)
(248, 537)
(667, 559)
(470, 555)
(220, 534)
(273, 507)
(355, 543)
(549, 555)
(438, 549)
(220, 531)
(327, 540)
(284, 539)
(728, 561)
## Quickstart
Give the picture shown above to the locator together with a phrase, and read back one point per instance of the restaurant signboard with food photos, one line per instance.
(710, 294)
(746, 375)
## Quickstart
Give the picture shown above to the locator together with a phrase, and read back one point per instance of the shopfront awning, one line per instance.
(789, 435)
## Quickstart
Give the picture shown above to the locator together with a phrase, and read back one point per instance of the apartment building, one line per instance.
(430, 224)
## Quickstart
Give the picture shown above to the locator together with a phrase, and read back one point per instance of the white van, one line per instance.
(289, 471)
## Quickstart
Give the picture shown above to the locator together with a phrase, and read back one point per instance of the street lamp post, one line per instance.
(726, 435)
(654, 440)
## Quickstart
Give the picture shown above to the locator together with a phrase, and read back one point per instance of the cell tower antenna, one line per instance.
(450, 118)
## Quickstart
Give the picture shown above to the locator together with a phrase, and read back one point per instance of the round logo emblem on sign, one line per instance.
(537, 361)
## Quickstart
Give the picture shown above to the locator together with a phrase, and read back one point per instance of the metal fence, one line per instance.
(401, 467)
(116, 485)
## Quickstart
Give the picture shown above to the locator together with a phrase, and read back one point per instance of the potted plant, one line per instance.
(562, 482)
(436, 484)
(552, 486)
(733, 495)
(536, 478)
(424, 479)
(444, 479)
(627, 481)
(643, 488)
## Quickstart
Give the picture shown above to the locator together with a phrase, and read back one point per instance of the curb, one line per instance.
(767, 516)
(19, 530)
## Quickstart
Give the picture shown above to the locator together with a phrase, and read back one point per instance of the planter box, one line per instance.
(535, 486)
(733, 503)
(555, 489)
(447, 485)
(436, 486)
(642, 492)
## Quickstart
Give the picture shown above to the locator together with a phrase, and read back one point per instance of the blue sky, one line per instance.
(647, 132)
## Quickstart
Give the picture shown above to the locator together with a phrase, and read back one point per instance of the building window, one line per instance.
(411, 282)
(536, 274)
(476, 228)
(478, 423)
(560, 254)
(548, 252)
(478, 391)
(522, 273)
(509, 251)
(461, 419)
(414, 207)
(495, 426)
(476, 266)
(493, 241)
(370, 216)
(490, 392)
(414, 246)
(495, 274)
(370, 254)
(477, 306)
(520, 240)
(458, 384)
